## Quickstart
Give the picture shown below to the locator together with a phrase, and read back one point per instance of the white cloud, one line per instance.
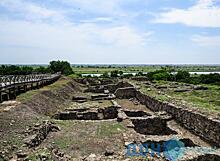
(110, 7)
(203, 14)
(208, 41)
(78, 43)
(31, 11)
(98, 20)
(120, 36)
(33, 33)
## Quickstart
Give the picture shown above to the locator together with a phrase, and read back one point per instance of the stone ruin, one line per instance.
(152, 126)
(38, 133)
(88, 114)
(143, 127)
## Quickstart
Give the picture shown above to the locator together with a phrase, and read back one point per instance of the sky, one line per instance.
(110, 31)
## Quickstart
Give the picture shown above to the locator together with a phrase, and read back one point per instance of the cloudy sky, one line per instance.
(110, 31)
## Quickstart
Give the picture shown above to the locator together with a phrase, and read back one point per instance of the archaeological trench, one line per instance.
(98, 119)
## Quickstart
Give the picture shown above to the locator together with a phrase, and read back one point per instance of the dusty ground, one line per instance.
(100, 139)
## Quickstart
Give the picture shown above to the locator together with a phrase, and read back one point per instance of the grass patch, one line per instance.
(58, 84)
(127, 69)
(74, 76)
(208, 100)
(24, 97)
(41, 152)
(109, 129)
(84, 138)
(148, 68)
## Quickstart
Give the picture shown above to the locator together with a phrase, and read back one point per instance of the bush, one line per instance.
(105, 75)
(159, 75)
(127, 75)
(210, 78)
(42, 70)
(182, 76)
(114, 73)
(139, 74)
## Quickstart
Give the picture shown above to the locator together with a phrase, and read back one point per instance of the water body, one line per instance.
(203, 72)
(98, 75)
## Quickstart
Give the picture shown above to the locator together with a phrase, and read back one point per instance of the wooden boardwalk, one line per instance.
(12, 85)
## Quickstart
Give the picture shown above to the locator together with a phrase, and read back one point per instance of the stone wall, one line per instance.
(207, 128)
(110, 87)
(127, 92)
(113, 87)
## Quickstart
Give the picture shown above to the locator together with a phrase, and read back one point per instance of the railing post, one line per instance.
(1, 97)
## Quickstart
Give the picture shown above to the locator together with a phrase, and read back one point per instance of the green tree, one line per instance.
(26, 70)
(61, 66)
(42, 70)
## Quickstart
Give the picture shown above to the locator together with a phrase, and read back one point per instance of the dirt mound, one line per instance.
(38, 105)
(48, 102)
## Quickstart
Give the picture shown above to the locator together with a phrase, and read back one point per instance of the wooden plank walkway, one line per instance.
(12, 85)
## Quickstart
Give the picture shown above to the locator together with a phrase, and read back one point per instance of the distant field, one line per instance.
(147, 68)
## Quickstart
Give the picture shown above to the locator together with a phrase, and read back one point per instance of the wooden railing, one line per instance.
(13, 80)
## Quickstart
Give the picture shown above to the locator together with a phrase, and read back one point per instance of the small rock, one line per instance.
(21, 154)
(43, 157)
(14, 146)
(5, 142)
(200, 88)
(127, 143)
(109, 152)
(37, 125)
(106, 91)
(91, 157)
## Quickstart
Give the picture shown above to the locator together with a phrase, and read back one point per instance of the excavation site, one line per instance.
(98, 119)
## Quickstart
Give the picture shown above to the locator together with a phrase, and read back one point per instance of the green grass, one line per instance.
(147, 68)
(73, 76)
(24, 97)
(27, 96)
(127, 69)
(79, 137)
(66, 140)
(208, 100)
(58, 84)
(107, 130)
(36, 154)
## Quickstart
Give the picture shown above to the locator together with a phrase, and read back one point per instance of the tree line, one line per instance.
(168, 75)
(185, 77)
(54, 66)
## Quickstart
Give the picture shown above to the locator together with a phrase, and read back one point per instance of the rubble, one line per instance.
(40, 133)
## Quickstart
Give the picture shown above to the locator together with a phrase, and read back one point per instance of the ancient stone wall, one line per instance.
(201, 125)
(113, 87)
(127, 92)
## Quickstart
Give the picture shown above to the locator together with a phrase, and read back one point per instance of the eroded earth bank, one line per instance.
(100, 119)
